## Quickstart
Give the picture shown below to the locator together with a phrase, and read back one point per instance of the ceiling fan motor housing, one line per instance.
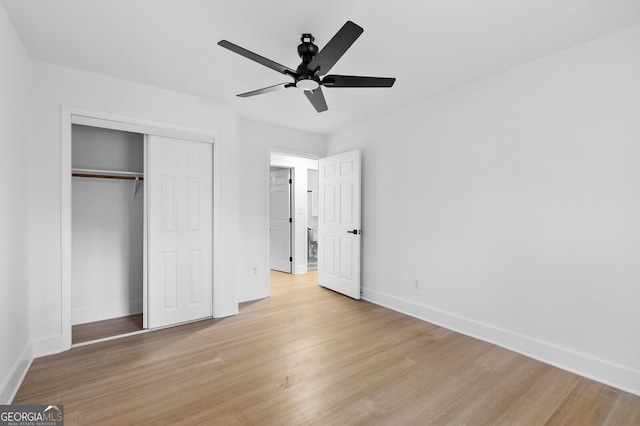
(305, 79)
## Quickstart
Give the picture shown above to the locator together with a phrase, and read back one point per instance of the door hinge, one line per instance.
(290, 220)
(290, 259)
(290, 181)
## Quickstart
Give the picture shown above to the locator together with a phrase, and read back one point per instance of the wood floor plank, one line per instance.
(488, 404)
(310, 402)
(540, 400)
(624, 411)
(307, 355)
(88, 332)
(588, 403)
(378, 404)
(436, 396)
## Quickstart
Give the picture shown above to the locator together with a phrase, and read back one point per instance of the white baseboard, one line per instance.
(584, 365)
(251, 294)
(16, 376)
(99, 313)
(47, 346)
(225, 310)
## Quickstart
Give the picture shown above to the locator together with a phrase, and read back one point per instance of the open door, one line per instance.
(280, 220)
(179, 187)
(339, 223)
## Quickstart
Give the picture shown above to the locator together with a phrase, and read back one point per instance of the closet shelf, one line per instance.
(107, 174)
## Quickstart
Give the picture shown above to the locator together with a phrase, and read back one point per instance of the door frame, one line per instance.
(76, 115)
(295, 181)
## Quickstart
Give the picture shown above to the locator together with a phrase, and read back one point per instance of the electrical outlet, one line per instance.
(417, 284)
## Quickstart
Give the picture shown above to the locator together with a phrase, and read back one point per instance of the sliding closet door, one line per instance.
(179, 251)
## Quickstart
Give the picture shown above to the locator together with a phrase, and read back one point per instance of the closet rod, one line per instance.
(107, 174)
(85, 175)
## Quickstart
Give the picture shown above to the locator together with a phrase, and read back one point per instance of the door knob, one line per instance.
(354, 232)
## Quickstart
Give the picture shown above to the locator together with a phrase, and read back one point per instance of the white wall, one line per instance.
(54, 86)
(255, 141)
(107, 226)
(516, 203)
(14, 210)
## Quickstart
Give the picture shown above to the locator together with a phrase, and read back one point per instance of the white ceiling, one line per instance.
(430, 46)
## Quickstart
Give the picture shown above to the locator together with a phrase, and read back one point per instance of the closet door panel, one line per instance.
(168, 203)
(195, 268)
(170, 289)
(194, 204)
(180, 218)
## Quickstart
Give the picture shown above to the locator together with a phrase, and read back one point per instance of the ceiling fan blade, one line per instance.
(332, 51)
(266, 90)
(255, 57)
(355, 81)
(317, 99)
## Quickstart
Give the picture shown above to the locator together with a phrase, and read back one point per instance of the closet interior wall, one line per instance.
(107, 225)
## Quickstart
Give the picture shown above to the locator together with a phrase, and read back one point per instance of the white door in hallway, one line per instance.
(179, 187)
(339, 223)
(280, 220)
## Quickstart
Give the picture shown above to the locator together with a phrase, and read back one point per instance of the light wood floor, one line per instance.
(307, 356)
(82, 333)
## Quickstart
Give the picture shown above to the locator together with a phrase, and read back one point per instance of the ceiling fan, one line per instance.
(315, 64)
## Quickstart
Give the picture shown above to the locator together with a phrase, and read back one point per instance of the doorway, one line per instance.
(339, 217)
(304, 185)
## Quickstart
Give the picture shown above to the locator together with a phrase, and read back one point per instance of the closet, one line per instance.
(141, 228)
(107, 232)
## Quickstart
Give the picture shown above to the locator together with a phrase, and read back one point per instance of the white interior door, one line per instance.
(280, 220)
(179, 187)
(339, 223)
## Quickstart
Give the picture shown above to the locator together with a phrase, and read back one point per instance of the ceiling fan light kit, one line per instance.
(315, 64)
(307, 83)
